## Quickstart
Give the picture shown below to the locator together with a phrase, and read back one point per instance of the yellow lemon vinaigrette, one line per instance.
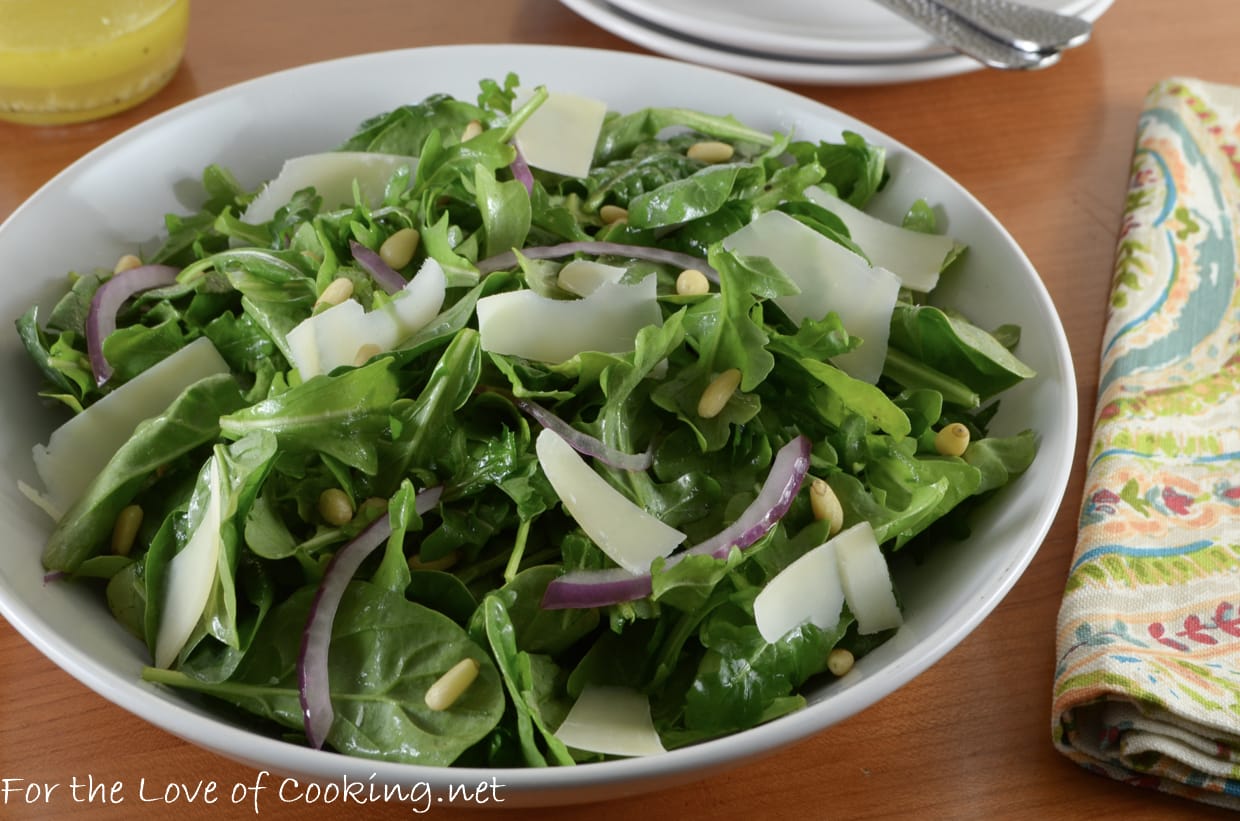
(65, 61)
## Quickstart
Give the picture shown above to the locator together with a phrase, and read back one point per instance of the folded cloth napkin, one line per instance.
(1147, 683)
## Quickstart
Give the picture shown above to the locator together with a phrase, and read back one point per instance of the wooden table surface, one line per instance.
(1047, 152)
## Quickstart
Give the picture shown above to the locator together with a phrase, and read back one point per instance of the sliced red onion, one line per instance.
(598, 588)
(521, 171)
(782, 485)
(314, 689)
(595, 588)
(53, 577)
(373, 264)
(508, 259)
(584, 443)
(108, 299)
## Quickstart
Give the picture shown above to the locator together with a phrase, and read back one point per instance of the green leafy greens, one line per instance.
(466, 579)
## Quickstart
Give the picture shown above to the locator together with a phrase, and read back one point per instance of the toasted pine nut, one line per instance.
(840, 661)
(340, 289)
(125, 530)
(472, 129)
(692, 282)
(442, 563)
(125, 263)
(718, 392)
(826, 506)
(364, 354)
(952, 440)
(335, 507)
(399, 248)
(711, 151)
(452, 685)
(612, 213)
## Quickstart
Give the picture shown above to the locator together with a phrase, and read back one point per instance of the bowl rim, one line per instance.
(553, 785)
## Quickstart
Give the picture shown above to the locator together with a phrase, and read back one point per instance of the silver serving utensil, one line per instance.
(985, 38)
(1026, 27)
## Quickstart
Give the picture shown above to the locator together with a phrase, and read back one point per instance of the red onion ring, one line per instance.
(373, 264)
(508, 259)
(313, 685)
(598, 588)
(784, 481)
(107, 301)
(584, 443)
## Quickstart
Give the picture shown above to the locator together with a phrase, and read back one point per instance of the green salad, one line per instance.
(517, 431)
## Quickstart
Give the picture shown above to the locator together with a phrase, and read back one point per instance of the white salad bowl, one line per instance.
(114, 199)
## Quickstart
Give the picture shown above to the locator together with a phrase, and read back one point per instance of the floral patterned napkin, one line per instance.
(1147, 685)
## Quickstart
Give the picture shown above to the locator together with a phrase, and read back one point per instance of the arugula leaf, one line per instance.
(520, 679)
(313, 415)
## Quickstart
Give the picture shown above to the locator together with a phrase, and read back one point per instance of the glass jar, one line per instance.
(66, 61)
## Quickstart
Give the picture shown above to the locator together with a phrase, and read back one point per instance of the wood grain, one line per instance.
(1047, 152)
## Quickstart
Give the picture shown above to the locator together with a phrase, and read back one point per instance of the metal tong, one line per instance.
(998, 33)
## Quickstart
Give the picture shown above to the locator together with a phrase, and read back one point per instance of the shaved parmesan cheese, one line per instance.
(806, 591)
(612, 721)
(630, 536)
(523, 323)
(866, 580)
(583, 277)
(831, 278)
(561, 134)
(191, 575)
(333, 338)
(915, 257)
(80, 448)
(331, 175)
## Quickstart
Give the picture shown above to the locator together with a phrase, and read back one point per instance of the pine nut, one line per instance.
(718, 392)
(952, 440)
(692, 282)
(125, 530)
(611, 214)
(125, 263)
(826, 506)
(340, 289)
(452, 685)
(840, 661)
(472, 129)
(335, 507)
(398, 249)
(442, 563)
(710, 151)
(364, 354)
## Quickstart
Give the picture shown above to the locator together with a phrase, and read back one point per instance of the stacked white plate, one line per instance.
(840, 42)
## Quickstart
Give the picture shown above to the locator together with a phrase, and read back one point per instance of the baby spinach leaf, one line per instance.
(953, 345)
(622, 133)
(999, 458)
(385, 652)
(191, 421)
(742, 675)
(505, 211)
(550, 632)
(698, 195)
